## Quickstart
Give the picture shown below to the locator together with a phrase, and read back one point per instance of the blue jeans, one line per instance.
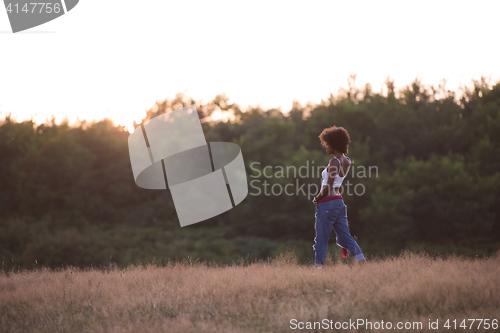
(330, 214)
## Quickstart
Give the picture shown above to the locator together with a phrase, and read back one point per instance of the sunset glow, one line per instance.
(264, 54)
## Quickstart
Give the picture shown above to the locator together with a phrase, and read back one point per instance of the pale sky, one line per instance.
(117, 58)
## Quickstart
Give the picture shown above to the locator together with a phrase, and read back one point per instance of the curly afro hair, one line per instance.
(336, 138)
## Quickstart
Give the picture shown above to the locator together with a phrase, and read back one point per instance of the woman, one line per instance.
(330, 208)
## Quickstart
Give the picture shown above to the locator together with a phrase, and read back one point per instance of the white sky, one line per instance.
(116, 58)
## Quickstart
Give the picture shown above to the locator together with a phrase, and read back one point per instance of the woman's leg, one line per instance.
(344, 237)
(323, 226)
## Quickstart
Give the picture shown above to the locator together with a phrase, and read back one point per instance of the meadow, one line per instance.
(275, 295)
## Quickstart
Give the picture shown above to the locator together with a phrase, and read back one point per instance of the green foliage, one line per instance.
(68, 196)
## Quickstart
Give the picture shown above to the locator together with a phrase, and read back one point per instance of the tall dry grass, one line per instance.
(257, 297)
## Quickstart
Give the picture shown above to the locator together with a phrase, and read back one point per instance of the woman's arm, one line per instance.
(333, 170)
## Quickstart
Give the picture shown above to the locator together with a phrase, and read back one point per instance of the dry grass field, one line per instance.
(273, 296)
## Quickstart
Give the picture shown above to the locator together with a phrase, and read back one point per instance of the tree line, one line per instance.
(68, 195)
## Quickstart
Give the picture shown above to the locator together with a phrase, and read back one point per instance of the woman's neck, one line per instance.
(338, 155)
